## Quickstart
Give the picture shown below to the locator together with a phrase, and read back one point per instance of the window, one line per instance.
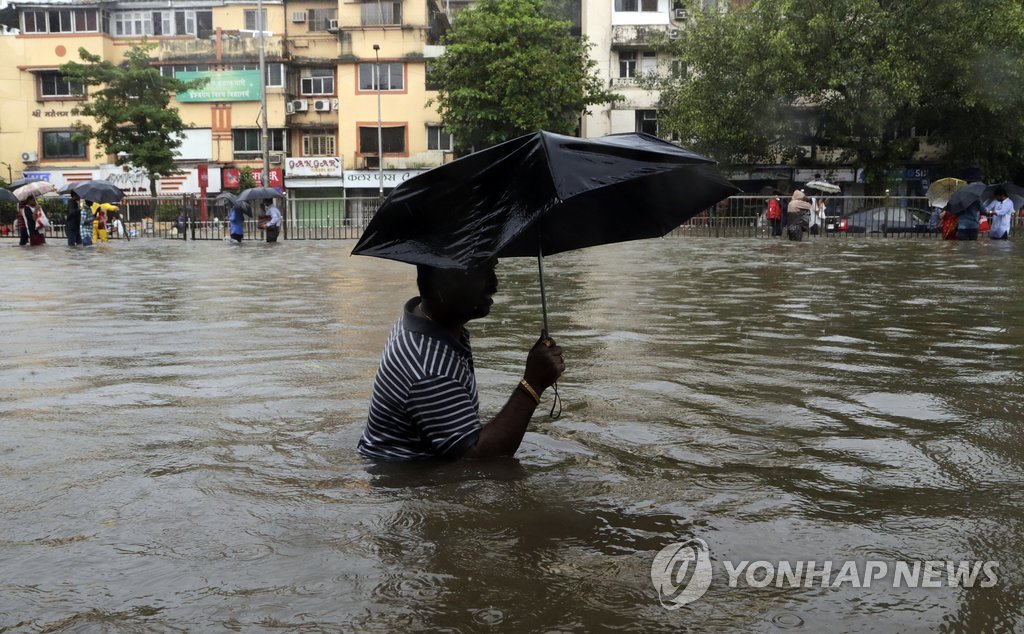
(392, 138)
(172, 71)
(647, 121)
(59, 144)
(317, 81)
(636, 5)
(131, 23)
(53, 84)
(627, 63)
(251, 23)
(320, 19)
(275, 72)
(438, 138)
(34, 21)
(247, 141)
(318, 145)
(392, 76)
(60, 21)
(375, 13)
(648, 62)
(431, 82)
(163, 23)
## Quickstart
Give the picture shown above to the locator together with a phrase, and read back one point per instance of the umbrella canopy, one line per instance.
(823, 186)
(65, 189)
(940, 191)
(225, 198)
(21, 182)
(1014, 192)
(542, 194)
(966, 198)
(98, 191)
(7, 196)
(259, 193)
(35, 188)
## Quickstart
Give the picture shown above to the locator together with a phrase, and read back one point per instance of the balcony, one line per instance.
(232, 45)
(640, 35)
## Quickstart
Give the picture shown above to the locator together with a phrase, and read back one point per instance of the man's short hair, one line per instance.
(1000, 191)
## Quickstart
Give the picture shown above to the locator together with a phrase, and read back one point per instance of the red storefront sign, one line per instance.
(229, 178)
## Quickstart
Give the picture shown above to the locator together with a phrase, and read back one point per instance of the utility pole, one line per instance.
(380, 146)
(265, 139)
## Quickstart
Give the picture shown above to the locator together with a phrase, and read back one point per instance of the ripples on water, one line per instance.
(179, 424)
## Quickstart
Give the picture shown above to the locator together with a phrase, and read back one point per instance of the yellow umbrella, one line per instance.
(940, 191)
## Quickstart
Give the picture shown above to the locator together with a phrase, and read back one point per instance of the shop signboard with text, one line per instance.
(313, 166)
(231, 176)
(371, 179)
(223, 85)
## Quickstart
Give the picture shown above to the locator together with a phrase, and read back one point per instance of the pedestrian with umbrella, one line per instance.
(536, 195)
(32, 223)
(270, 220)
(966, 204)
(236, 219)
(73, 220)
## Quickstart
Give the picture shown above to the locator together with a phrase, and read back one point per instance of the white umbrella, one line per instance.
(35, 188)
(824, 186)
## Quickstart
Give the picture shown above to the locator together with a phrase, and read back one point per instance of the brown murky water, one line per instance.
(179, 420)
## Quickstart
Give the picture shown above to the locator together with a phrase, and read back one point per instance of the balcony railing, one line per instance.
(233, 46)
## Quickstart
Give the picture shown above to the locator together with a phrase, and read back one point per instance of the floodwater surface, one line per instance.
(179, 421)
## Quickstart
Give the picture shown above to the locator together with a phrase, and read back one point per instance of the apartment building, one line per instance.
(324, 100)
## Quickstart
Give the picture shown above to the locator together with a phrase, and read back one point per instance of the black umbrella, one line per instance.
(7, 195)
(259, 193)
(969, 198)
(98, 191)
(225, 198)
(19, 182)
(542, 194)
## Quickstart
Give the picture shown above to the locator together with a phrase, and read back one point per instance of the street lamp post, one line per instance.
(380, 146)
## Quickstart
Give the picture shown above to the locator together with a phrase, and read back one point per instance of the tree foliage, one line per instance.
(131, 110)
(510, 68)
(857, 80)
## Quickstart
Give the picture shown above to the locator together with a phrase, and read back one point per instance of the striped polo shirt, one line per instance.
(424, 402)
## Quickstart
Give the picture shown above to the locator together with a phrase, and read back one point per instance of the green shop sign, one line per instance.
(224, 85)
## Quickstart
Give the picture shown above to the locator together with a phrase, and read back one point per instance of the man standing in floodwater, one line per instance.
(424, 402)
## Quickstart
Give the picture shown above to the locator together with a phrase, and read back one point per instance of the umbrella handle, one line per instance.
(557, 402)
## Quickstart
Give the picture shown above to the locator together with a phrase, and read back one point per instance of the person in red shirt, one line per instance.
(774, 214)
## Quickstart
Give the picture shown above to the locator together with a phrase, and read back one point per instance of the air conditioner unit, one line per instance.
(680, 14)
(276, 158)
(299, 105)
(322, 105)
(334, 104)
(332, 25)
(30, 157)
(673, 34)
(298, 16)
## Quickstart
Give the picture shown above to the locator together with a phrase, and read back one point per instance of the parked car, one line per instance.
(885, 220)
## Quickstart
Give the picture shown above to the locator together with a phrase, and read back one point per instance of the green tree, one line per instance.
(850, 79)
(134, 120)
(245, 178)
(510, 68)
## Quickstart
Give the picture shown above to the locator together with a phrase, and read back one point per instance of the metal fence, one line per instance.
(345, 218)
